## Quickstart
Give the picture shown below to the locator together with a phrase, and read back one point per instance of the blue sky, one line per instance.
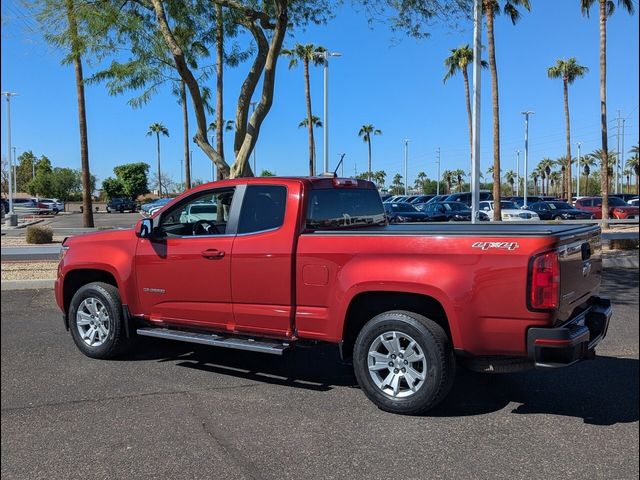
(395, 85)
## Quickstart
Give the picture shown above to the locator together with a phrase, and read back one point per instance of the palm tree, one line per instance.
(510, 177)
(554, 179)
(459, 60)
(632, 164)
(397, 186)
(586, 162)
(365, 132)
(307, 54)
(157, 129)
(421, 178)
(569, 70)
(535, 175)
(564, 167)
(458, 176)
(491, 9)
(545, 166)
(379, 177)
(449, 177)
(606, 9)
(317, 123)
(598, 156)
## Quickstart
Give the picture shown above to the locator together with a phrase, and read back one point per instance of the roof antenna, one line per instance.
(335, 172)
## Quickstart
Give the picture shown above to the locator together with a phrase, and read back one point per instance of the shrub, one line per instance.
(37, 235)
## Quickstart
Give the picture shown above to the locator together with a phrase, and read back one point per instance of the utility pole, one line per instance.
(618, 151)
(438, 178)
(325, 56)
(526, 154)
(622, 158)
(406, 161)
(182, 175)
(15, 170)
(12, 218)
(578, 171)
(517, 173)
(475, 119)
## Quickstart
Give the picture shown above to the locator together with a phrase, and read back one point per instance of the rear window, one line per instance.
(344, 208)
(263, 208)
(455, 206)
(401, 207)
(617, 202)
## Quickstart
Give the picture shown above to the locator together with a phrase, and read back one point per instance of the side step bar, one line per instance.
(273, 347)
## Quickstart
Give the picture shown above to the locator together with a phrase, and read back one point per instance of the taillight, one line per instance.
(544, 282)
(41, 205)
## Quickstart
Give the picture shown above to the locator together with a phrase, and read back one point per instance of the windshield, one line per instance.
(455, 206)
(402, 207)
(559, 206)
(344, 208)
(617, 202)
(508, 206)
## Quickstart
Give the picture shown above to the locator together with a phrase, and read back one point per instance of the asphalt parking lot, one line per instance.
(101, 220)
(175, 411)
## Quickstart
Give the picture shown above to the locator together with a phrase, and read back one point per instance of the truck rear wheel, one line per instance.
(404, 362)
(96, 321)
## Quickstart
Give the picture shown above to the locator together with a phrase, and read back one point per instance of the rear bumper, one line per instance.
(573, 341)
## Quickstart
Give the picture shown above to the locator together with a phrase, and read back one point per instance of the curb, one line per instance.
(621, 262)
(7, 285)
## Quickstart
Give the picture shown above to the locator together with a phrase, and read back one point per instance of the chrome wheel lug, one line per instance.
(404, 370)
(406, 363)
(393, 356)
(391, 364)
(395, 370)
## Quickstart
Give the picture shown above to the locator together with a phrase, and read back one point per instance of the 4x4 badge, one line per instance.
(498, 245)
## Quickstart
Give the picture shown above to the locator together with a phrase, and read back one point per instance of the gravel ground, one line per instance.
(21, 242)
(29, 270)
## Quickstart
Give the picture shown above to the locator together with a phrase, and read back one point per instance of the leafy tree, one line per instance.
(113, 188)
(307, 54)
(606, 9)
(459, 61)
(267, 173)
(365, 132)
(157, 129)
(569, 70)
(25, 170)
(491, 9)
(134, 178)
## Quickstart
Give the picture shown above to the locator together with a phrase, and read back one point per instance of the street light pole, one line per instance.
(406, 161)
(475, 119)
(526, 154)
(325, 56)
(11, 218)
(622, 159)
(517, 173)
(15, 170)
(578, 171)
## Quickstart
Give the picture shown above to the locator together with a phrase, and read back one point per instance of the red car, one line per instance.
(280, 262)
(618, 209)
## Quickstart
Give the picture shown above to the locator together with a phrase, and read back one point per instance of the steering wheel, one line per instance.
(206, 227)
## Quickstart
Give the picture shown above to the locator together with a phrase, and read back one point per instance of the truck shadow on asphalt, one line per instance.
(603, 391)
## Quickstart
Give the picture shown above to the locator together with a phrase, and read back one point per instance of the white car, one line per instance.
(509, 211)
(634, 202)
(53, 204)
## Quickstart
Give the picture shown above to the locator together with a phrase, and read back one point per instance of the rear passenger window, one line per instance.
(263, 208)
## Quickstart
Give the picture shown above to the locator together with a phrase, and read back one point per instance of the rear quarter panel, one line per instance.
(483, 292)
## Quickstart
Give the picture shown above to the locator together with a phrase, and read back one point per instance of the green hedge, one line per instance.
(37, 235)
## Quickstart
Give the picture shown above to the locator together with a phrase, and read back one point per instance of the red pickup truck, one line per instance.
(265, 264)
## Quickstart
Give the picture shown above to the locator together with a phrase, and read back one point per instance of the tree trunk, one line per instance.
(87, 205)
(307, 94)
(219, 86)
(586, 184)
(185, 125)
(568, 127)
(369, 145)
(497, 214)
(159, 172)
(465, 76)
(604, 183)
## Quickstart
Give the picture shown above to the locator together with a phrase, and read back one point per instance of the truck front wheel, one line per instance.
(96, 321)
(404, 362)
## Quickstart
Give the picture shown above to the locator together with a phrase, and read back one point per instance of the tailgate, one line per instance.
(580, 270)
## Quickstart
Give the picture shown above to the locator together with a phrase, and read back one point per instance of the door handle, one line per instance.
(212, 253)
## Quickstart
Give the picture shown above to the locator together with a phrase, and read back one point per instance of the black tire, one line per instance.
(557, 217)
(437, 350)
(116, 342)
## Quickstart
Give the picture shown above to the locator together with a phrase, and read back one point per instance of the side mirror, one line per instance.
(145, 227)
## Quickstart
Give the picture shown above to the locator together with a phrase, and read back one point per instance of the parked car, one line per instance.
(5, 205)
(633, 202)
(509, 211)
(624, 196)
(465, 197)
(618, 209)
(52, 204)
(313, 259)
(23, 203)
(146, 208)
(398, 212)
(531, 199)
(121, 204)
(559, 211)
(447, 212)
(420, 199)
